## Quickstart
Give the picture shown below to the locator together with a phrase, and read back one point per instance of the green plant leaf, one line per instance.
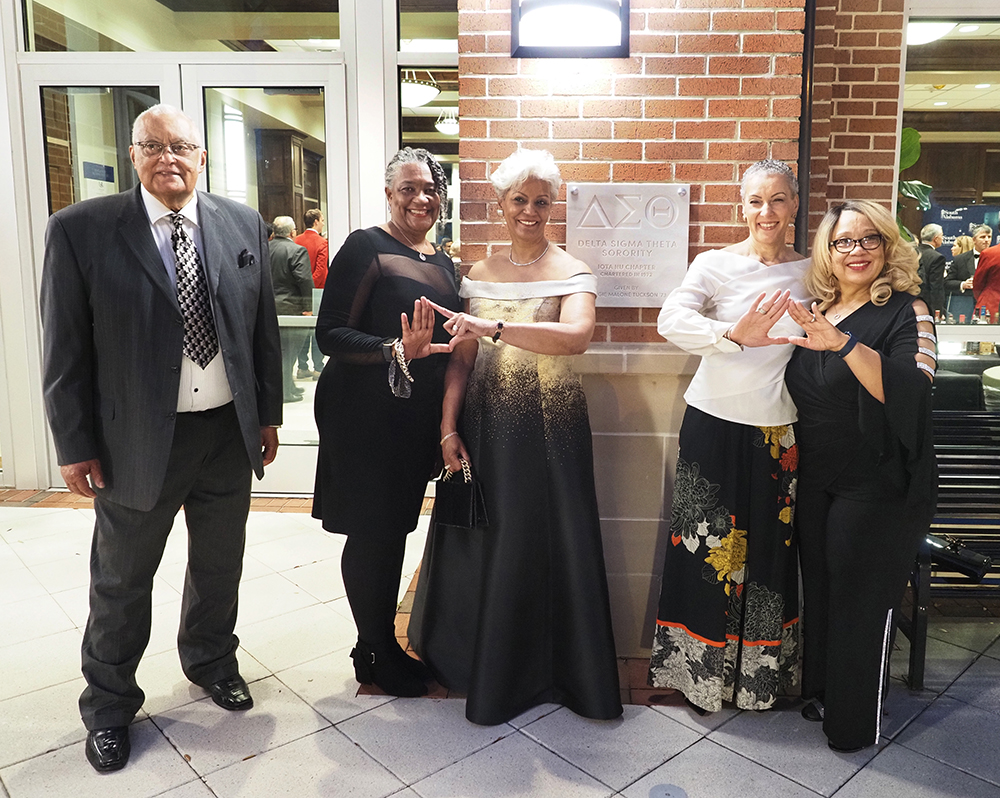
(914, 189)
(909, 148)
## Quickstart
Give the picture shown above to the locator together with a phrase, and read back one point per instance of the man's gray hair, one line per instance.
(929, 232)
(162, 109)
(283, 226)
(982, 228)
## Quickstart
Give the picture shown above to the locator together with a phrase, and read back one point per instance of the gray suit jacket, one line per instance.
(291, 276)
(113, 334)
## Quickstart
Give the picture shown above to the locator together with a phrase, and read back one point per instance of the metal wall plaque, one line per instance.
(633, 235)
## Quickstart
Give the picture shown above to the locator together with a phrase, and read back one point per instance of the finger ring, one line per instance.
(813, 319)
(762, 309)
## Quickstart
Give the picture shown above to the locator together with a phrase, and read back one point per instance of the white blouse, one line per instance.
(744, 386)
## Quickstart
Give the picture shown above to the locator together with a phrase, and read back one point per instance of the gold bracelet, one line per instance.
(449, 435)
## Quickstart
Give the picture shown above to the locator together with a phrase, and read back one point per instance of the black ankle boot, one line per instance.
(378, 666)
(412, 666)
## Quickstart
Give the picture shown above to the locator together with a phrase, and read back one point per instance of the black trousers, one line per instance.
(209, 474)
(856, 557)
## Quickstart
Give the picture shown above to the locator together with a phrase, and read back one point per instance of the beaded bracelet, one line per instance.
(399, 371)
(845, 350)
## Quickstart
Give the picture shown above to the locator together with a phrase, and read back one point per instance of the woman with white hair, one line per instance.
(727, 625)
(516, 613)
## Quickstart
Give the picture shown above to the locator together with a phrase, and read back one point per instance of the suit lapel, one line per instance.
(133, 224)
(214, 254)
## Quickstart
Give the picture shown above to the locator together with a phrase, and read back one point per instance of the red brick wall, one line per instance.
(710, 87)
(857, 99)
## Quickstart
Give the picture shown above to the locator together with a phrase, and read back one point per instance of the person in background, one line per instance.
(728, 619)
(986, 282)
(861, 378)
(162, 381)
(958, 280)
(292, 284)
(319, 257)
(378, 405)
(962, 244)
(517, 614)
(931, 267)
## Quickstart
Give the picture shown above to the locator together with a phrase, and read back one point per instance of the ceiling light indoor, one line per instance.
(925, 32)
(447, 122)
(414, 92)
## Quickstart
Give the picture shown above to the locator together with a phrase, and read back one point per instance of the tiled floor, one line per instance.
(310, 734)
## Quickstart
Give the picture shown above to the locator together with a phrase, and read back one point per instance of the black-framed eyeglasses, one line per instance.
(154, 149)
(845, 246)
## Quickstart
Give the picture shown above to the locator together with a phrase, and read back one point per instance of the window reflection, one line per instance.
(182, 26)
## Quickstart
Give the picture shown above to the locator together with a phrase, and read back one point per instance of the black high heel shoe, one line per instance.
(378, 666)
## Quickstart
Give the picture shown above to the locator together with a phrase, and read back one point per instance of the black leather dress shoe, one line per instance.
(840, 750)
(108, 749)
(813, 711)
(231, 693)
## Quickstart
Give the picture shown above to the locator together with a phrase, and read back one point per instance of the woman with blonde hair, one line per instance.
(962, 244)
(861, 380)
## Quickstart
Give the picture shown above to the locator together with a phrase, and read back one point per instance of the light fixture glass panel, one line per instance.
(569, 25)
(447, 122)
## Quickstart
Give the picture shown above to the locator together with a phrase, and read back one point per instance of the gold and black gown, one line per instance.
(516, 613)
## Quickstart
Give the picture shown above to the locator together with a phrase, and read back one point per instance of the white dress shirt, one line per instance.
(200, 389)
(744, 386)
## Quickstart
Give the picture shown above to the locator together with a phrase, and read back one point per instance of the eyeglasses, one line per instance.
(845, 246)
(153, 149)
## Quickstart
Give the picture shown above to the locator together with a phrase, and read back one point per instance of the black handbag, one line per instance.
(459, 502)
(951, 553)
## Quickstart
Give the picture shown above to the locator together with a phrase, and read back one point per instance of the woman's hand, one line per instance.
(464, 326)
(820, 334)
(417, 335)
(754, 326)
(453, 451)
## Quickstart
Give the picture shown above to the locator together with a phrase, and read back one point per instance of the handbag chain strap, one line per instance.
(466, 472)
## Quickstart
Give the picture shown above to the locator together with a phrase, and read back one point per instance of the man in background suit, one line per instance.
(319, 258)
(291, 279)
(958, 280)
(931, 266)
(163, 389)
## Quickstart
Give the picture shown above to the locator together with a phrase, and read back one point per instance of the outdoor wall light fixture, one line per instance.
(414, 92)
(447, 122)
(569, 28)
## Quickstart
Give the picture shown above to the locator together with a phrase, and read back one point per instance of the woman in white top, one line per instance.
(516, 613)
(727, 626)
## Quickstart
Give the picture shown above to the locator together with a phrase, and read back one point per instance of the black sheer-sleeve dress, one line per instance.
(377, 450)
(866, 496)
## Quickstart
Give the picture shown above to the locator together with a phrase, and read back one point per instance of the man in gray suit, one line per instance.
(292, 280)
(931, 267)
(163, 390)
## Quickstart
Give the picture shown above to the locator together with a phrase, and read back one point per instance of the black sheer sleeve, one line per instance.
(349, 285)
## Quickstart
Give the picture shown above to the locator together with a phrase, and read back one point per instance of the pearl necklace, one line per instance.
(407, 240)
(527, 263)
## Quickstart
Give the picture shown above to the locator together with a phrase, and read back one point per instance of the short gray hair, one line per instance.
(162, 109)
(283, 226)
(929, 232)
(523, 165)
(417, 155)
(769, 167)
(982, 228)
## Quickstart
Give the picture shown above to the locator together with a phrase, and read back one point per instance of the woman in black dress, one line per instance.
(861, 380)
(378, 405)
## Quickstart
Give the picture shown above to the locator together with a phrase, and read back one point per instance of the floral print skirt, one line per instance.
(727, 627)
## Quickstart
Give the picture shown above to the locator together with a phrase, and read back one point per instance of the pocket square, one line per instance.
(246, 259)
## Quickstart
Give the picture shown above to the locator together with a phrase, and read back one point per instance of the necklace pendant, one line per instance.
(422, 256)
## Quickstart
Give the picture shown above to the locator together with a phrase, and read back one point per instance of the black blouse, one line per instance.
(850, 443)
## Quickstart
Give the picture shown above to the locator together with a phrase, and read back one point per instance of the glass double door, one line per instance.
(276, 138)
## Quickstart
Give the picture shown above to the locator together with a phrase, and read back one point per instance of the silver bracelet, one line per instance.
(400, 378)
(449, 435)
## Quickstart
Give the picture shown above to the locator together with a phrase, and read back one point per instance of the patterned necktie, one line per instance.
(200, 341)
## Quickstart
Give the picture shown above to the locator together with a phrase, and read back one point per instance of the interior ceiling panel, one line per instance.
(298, 6)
